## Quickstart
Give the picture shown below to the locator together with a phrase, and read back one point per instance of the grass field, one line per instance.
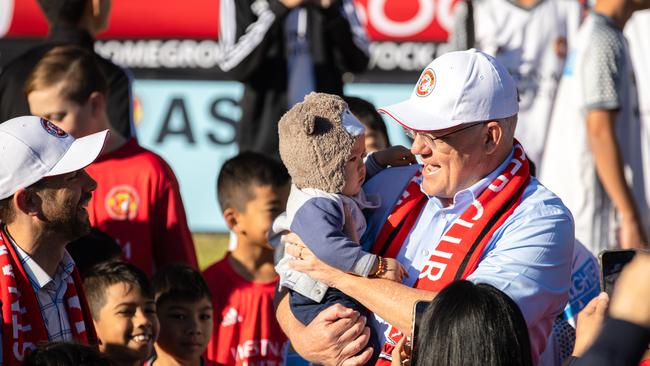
(210, 247)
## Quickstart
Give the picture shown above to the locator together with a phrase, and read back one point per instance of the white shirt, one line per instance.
(598, 75)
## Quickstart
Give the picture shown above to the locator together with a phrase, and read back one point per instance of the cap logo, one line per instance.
(426, 84)
(52, 129)
(122, 202)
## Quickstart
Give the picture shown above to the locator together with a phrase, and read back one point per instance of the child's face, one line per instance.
(267, 203)
(355, 170)
(186, 327)
(127, 326)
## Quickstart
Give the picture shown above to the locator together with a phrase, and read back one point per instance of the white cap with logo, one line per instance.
(456, 88)
(32, 148)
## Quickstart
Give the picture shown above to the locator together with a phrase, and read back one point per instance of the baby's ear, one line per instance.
(309, 124)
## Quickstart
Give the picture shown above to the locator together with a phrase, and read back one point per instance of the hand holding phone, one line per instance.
(401, 355)
(611, 265)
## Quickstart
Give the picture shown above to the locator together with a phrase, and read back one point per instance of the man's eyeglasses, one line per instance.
(431, 139)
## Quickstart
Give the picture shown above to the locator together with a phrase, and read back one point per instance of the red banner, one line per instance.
(385, 20)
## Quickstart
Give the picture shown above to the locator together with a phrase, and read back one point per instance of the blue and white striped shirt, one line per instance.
(50, 292)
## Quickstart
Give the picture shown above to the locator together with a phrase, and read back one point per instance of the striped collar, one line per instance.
(36, 274)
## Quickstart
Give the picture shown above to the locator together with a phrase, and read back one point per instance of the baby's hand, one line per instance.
(394, 156)
(393, 271)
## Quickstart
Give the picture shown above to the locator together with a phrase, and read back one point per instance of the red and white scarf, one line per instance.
(23, 327)
(460, 248)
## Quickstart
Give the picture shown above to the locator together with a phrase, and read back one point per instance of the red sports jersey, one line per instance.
(137, 202)
(246, 332)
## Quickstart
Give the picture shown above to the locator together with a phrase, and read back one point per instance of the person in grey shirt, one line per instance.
(593, 155)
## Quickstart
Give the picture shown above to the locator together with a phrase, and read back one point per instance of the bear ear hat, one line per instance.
(309, 124)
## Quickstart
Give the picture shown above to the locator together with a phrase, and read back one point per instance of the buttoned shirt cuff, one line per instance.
(364, 264)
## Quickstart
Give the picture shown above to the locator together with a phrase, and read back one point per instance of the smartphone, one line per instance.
(611, 265)
(418, 310)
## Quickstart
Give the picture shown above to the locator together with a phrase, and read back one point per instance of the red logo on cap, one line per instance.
(426, 83)
(52, 129)
(122, 203)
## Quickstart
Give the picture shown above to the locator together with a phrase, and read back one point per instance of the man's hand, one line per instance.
(631, 235)
(394, 156)
(632, 291)
(309, 264)
(337, 336)
(590, 320)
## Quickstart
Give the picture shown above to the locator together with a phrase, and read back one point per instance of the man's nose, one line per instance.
(419, 147)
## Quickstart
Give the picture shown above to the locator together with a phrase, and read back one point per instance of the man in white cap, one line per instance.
(44, 191)
(472, 210)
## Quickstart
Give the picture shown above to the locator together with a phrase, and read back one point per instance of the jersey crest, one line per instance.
(122, 202)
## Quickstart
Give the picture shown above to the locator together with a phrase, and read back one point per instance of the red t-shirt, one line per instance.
(138, 202)
(245, 329)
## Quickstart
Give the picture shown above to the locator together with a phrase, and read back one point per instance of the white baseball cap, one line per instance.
(32, 148)
(456, 88)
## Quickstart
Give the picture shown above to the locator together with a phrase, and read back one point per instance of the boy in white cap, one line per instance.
(474, 212)
(44, 191)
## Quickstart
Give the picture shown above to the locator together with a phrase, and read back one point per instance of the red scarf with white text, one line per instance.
(23, 327)
(460, 248)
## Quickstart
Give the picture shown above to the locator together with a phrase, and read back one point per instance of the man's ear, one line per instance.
(493, 136)
(230, 215)
(29, 203)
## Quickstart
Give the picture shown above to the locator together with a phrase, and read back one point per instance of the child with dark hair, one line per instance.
(252, 190)
(376, 133)
(184, 306)
(66, 354)
(92, 249)
(470, 324)
(123, 310)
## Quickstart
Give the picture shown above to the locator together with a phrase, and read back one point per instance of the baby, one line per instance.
(322, 145)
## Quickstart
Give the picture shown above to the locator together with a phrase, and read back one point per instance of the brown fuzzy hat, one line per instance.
(314, 144)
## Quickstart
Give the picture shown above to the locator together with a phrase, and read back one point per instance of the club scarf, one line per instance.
(23, 327)
(460, 248)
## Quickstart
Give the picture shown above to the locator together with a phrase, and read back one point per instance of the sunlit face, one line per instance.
(65, 200)
(127, 326)
(355, 170)
(70, 116)
(267, 203)
(186, 327)
(451, 163)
